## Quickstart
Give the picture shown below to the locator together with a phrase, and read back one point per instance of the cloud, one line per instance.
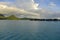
(31, 6)
(4, 9)
(19, 7)
(8, 4)
(46, 13)
(27, 4)
(28, 8)
(52, 4)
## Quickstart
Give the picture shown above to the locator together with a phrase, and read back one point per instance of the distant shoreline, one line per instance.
(31, 19)
(12, 17)
(45, 19)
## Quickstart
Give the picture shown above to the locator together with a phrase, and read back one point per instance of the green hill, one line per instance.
(12, 17)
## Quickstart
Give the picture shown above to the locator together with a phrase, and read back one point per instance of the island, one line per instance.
(12, 17)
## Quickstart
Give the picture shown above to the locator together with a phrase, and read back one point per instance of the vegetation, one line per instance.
(12, 17)
(2, 17)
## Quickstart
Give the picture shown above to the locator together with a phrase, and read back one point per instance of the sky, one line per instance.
(31, 8)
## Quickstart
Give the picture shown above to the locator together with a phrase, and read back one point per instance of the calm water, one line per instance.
(29, 30)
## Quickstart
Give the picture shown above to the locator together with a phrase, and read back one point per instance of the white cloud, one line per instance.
(4, 9)
(52, 4)
(27, 4)
(11, 8)
(8, 4)
(31, 6)
(28, 8)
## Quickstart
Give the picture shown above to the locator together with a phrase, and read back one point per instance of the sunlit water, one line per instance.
(29, 30)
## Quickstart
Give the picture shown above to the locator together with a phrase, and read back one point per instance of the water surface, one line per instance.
(29, 30)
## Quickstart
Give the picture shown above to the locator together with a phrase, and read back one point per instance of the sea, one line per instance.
(29, 30)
